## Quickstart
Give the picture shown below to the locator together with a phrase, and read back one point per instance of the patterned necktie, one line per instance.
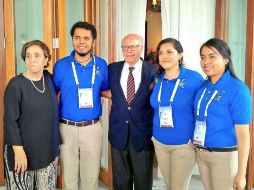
(130, 86)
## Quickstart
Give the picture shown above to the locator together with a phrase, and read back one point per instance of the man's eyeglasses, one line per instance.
(131, 48)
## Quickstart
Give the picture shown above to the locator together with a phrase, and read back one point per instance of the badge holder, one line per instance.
(199, 133)
(166, 117)
(85, 97)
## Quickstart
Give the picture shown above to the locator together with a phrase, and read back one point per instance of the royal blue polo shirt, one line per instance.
(64, 82)
(231, 106)
(182, 107)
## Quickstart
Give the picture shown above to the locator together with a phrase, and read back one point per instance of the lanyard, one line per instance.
(173, 93)
(208, 103)
(75, 72)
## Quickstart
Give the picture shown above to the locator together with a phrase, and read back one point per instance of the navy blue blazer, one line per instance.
(130, 122)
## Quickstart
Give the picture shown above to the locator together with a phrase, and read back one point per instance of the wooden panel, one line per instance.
(249, 79)
(2, 86)
(96, 23)
(9, 39)
(88, 10)
(221, 19)
(61, 27)
(218, 19)
(60, 24)
(111, 30)
(48, 28)
(106, 175)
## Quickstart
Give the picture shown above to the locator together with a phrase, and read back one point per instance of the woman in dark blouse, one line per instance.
(31, 130)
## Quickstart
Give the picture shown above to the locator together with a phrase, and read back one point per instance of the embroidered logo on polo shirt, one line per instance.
(219, 95)
(97, 72)
(182, 83)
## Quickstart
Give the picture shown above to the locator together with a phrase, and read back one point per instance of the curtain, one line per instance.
(170, 23)
(130, 18)
(237, 35)
(192, 22)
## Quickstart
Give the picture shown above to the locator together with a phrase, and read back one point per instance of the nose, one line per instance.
(81, 41)
(204, 61)
(33, 59)
(163, 56)
(128, 49)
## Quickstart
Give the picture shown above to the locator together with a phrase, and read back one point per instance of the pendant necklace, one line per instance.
(43, 84)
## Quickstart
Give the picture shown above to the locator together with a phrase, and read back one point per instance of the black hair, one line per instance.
(223, 48)
(84, 25)
(176, 44)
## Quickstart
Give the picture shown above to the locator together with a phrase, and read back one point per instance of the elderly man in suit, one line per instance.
(131, 117)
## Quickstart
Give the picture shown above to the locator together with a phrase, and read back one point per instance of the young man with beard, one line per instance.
(80, 78)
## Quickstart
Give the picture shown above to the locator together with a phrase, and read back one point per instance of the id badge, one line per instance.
(85, 97)
(199, 133)
(166, 118)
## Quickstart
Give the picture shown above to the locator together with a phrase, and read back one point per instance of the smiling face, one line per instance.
(35, 59)
(82, 41)
(132, 48)
(169, 56)
(213, 63)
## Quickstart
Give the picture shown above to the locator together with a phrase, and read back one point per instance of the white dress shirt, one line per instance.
(136, 74)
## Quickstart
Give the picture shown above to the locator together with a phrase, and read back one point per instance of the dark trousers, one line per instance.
(130, 166)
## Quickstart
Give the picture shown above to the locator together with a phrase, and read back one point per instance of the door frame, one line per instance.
(2, 86)
(106, 174)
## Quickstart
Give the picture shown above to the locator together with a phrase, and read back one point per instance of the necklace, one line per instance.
(84, 61)
(43, 84)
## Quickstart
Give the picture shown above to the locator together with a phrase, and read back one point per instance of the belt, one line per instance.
(228, 149)
(79, 124)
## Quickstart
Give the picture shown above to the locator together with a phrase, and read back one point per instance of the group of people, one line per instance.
(180, 116)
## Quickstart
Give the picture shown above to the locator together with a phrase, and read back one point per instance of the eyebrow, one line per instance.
(167, 49)
(132, 45)
(214, 53)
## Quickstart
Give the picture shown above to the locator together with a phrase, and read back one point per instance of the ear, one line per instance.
(226, 61)
(94, 42)
(46, 61)
(180, 56)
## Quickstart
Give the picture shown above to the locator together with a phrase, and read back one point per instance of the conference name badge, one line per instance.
(166, 117)
(199, 133)
(85, 97)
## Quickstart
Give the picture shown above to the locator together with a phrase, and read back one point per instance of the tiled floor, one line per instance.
(158, 184)
(195, 184)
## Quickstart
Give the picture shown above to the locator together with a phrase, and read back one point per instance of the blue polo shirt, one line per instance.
(182, 107)
(64, 82)
(231, 106)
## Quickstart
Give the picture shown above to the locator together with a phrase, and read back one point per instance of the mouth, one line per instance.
(82, 47)
(165, 61)
(207, 68)
(129, 56)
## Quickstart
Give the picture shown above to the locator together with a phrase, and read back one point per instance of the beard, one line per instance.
(84, 54)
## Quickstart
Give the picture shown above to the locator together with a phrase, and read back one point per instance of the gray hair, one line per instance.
(135, 36)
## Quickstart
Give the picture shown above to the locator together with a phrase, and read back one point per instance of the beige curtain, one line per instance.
(192, 22)
(130, 18)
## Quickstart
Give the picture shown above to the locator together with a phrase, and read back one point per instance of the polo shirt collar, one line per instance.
(181, 74)
(221, 82)
(90, 64)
